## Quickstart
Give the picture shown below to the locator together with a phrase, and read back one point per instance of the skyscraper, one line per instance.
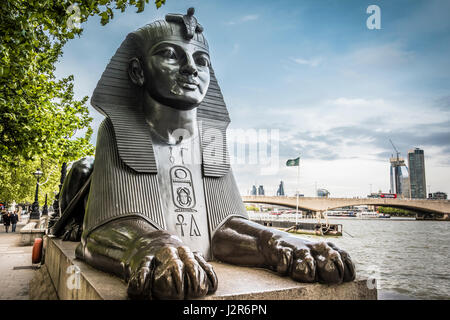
(406, 192)
(254, 191)
(399, 177)
(261, 190)
(280, 191)
(416, 163)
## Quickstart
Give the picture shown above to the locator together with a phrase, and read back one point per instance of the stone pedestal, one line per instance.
(75, 280)
(35, 228)
(29, 232)
(239, 283)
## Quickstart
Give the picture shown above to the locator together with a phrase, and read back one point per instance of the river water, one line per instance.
(410, 259)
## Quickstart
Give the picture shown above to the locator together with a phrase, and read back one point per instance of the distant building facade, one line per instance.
(323, 193)
(400, 183)
(405, 182)
(437, 196)
(416, 163)
(261, 190)
(254, 192)
(280, 191)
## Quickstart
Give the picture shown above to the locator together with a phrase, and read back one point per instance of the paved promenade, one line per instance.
(15, 263)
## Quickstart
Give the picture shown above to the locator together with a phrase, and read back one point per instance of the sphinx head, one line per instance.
(172, 61)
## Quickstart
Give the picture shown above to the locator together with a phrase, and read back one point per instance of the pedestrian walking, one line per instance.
(7, 221)
(14, 219)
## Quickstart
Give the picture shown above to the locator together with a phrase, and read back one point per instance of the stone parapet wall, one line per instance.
(30, 232)
(36, 228)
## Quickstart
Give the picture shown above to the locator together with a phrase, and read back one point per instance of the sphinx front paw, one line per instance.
(172, 273)
(307, 261)
(322, 262)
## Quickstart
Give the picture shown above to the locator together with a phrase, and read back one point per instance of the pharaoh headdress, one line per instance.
(124, 184)
(116, 97)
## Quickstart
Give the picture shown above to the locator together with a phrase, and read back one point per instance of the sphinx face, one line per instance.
(176, 74)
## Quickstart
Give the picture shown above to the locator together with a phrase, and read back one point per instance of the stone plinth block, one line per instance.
(30, 232)
(74, 279)
(236, 283)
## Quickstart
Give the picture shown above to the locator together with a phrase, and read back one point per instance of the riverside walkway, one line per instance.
(15, 266)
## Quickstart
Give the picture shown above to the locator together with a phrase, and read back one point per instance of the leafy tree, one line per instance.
(20, 183)
(396, 211)
(251, 208)
(38, 113)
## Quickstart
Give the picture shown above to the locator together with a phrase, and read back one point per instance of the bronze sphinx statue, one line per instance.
(160, 199)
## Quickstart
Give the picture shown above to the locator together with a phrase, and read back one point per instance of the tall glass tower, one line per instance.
(280, 191)
(416, 163)
(261, 190)
(399, 177)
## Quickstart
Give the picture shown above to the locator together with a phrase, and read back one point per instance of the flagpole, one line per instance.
(298, 184)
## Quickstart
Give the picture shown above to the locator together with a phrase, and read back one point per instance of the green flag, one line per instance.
(293, 162)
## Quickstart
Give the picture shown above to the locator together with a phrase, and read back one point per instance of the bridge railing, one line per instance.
(291, 217)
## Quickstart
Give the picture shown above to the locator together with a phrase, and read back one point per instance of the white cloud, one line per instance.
(385, 55)
(250, 17)
(342, 139)
(243, 19)
(314, 62)
(356, 102)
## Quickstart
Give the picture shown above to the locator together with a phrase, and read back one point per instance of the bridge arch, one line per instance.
(440, 207)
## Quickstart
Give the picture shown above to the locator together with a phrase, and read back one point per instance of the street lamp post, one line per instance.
(45, 207)
(35, 215)
(56, 210)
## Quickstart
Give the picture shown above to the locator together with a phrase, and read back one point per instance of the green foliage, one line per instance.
(19, 184)
(38, 113)
(396, 211)
(252, 208)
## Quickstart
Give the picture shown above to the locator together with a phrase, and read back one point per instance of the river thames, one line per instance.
(409, 258)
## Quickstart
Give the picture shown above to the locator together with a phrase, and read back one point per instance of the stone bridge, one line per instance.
(422, 206)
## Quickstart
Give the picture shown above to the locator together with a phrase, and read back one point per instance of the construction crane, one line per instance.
(400, 162)
(398, 153)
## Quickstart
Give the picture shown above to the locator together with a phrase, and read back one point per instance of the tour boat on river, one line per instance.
(340, 214)
(372, 215)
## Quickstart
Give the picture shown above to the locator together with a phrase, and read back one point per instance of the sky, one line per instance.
(316, 80)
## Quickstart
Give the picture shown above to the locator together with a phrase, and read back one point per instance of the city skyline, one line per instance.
(335, 90)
